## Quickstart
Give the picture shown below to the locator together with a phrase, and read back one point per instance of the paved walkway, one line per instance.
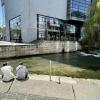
(39, 87)
(5, 43)
(19, 96)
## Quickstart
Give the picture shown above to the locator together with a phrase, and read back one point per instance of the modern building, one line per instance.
(29, 20)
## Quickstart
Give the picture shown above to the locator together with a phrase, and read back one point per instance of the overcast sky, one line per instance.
(1, 19)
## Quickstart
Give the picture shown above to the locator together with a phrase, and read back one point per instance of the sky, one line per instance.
(1, 16)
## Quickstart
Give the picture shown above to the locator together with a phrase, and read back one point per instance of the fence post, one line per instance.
(50, 71)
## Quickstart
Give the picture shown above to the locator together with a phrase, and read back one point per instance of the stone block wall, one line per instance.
(43, 47)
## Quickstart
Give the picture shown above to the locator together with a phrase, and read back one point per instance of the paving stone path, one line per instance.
(19, 96)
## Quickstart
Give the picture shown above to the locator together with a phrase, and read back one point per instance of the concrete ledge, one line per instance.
(20, 96)
(43, 88)
(8, 50)
(87, 91)
(4, 87)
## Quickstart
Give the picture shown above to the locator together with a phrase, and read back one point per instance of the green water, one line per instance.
(71, 64)
(76, 59)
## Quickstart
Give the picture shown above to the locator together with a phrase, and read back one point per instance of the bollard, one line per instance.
(50, 71)
(59, 82)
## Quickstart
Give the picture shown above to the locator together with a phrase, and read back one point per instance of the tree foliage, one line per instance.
(92, 26)
(1, 29)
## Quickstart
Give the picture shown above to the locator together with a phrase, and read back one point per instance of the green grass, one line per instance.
(39, 65)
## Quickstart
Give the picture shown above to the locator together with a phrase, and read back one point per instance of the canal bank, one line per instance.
(38, 87)
(9, 50)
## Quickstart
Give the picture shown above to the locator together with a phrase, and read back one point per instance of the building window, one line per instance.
(15, 29)
(50, 28)
(78, 9)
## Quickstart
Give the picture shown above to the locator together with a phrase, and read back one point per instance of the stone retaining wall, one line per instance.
(44, 47)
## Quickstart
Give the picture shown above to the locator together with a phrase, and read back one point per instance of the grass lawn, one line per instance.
(41, 65)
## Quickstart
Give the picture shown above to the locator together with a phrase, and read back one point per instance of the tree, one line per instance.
(92, 26)
(1, 29)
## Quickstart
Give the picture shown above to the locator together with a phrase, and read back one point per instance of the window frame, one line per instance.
(12, 39)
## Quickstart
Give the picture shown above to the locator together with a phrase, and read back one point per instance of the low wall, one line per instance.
(44, 47)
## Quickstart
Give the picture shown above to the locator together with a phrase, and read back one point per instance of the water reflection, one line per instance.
(75, 59)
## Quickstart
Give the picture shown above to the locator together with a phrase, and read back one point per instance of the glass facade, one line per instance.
(50, 28)
(78, 9)
(15, 29)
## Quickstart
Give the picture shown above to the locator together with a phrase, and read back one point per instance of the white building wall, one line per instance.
(14, 9)
(29, 9)
(53, 8)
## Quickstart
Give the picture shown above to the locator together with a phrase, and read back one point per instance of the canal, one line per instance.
(76, 60)
(66, 64)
